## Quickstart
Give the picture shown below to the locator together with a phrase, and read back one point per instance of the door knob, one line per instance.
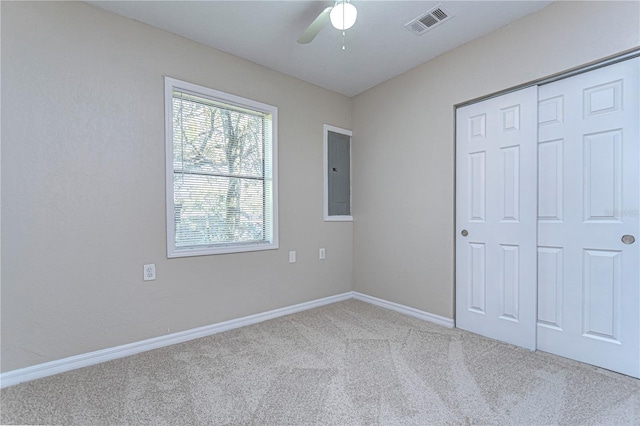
(628, 239)
(464, 232)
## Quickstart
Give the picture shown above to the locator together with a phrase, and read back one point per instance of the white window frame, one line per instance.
(172, 84)
(335, 218)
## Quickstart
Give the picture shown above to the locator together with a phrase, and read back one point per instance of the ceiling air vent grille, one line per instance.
(429, 20)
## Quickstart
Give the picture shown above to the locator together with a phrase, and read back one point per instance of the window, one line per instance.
(221, 172)
(337, 174)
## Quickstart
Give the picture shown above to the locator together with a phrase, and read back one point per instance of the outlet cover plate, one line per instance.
(149, 272)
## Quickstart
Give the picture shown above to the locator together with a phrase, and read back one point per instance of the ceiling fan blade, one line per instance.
(318, 24)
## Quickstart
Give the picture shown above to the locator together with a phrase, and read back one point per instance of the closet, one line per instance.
(547, 214)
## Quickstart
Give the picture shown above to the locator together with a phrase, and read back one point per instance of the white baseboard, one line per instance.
(38, 371)
(417, 313)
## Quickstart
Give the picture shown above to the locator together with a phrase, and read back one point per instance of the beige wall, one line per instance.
(83, 181)
(403, 142)
(83, 174)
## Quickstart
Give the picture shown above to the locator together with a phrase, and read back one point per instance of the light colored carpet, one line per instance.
(349, 363)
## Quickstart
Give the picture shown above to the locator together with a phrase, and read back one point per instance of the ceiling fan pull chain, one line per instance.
(343, 46)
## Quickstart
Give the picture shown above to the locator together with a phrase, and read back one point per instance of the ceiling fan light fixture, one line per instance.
(343, 15)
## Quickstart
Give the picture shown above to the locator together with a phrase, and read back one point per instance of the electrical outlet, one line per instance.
(321, 253)
(292, 256)
(149, 272)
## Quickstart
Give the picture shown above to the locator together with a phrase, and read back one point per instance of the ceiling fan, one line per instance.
(342, 15)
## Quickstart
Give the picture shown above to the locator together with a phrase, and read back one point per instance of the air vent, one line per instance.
(429, 20)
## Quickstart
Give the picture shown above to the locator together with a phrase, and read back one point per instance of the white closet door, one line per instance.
(496, 218)
(588, 278)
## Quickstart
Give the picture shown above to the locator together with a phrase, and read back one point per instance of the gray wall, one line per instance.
(403, 142)
(83, 187)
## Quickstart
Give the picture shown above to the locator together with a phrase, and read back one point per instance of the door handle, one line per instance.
(464, 233)
(628, 239)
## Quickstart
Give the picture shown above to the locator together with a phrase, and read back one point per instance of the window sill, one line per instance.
(338, 218)
(206, 251)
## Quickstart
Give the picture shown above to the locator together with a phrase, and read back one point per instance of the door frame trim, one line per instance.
(600, 63)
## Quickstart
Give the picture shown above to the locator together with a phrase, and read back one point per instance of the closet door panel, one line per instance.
(588, 200)
(496, 218)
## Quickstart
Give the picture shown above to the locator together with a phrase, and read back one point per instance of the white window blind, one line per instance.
(221, 188)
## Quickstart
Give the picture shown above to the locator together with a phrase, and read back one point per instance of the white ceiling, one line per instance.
(378, 47)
